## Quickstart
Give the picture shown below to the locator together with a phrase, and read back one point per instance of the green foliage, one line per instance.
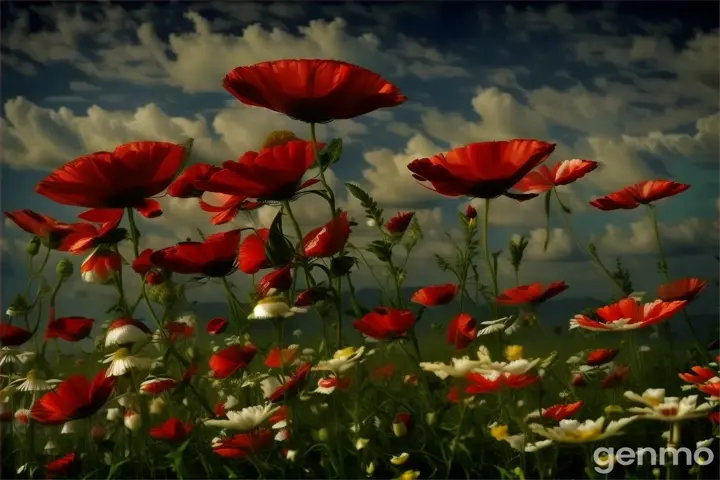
(622, 277)
(331, 153)
(372, 210)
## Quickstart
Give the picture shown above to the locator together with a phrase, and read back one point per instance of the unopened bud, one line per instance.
(430, 418)
(323, 435)
(64, 268)
(132, 420)
(18, 306)
(33, 246)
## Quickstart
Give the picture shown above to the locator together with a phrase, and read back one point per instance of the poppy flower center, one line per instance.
(129, 197)
(218, 268)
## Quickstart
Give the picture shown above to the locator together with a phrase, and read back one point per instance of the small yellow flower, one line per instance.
(513, 352)
(499, 432)
(344, 353)
(278, 138)
(614, 409)
(370, 469)
(410, 475)
(400, 459)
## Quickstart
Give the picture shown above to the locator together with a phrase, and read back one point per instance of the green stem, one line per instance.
(596, 260)
(456, 439)
(663, 267)
(331, 194)
(134, 232)
(488, 258)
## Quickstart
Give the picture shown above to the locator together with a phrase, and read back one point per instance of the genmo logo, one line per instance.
(606, 458)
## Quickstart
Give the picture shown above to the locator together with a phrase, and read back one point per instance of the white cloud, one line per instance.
(639, 237)
(39, 138)
(197, 60)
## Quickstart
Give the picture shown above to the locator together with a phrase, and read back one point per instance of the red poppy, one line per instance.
(699, 375)
(399, 223)
(124, 178)
(292, 385)
(229, 360)
(215, 257)
(492, 382)
(311, 296)
(462, 331)
(455, 394)
(183, 186)
(329, 384)
(639, 194)
(277, 357)
(217, 325)
(75, 398)
(171, 431)
(220, 410)
(714, 417)
(312, 91)
(230, 206)
(329, 239)
(385, 323)
(12, 336)
(481, 170)
(616, 377)
(252, 256)
(436, 295)
(70, 329)
(156, 386)
(282, 414)
(533, 293)
(627, 314)
(563, 173)
(711, 388)
(273, 173)
(62, 466)
(562, 411)
(384, 372)
(101, 266)
(279, 279)
(143, 263)
(601, 356)
(154, 278)
(244, 444)
(88, 237)
(51, 232)
(683, 289)
(178, 330)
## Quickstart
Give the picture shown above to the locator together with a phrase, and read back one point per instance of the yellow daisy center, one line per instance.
(499, 432)
(32, 375)
(513, 352)
(121, 353)
(344, 353)
(273, 299)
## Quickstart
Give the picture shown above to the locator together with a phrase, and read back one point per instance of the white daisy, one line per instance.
(516, 364)
(246, 419)
(274, 306)
(33, 382)
(126, 331)
(573, 431)
(50, 447)
(114, 414)
(668, 409)
(8, 355)
(70, 427)
(121, 362)
(342, 360)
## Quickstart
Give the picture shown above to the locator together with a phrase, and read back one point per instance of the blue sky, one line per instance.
(632, 87)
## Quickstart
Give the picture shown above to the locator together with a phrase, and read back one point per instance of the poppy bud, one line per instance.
(101, 266)
(370, 469)
(430, 418)
(154, 278)
(157, 405)
(64, 268)
(164, 294)
(17, 307)
(470, 212)
(278, 138)
(322, 435)
(33, 246)
(97, 433)
(402, 423)
(132, 420)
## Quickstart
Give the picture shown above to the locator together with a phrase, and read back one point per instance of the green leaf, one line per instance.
(278, 249)
(548, 195)
(331, 153)
(372, 210)
(381, 249)
(340, 266)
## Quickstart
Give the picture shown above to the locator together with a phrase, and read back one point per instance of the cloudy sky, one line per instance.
(633, 88)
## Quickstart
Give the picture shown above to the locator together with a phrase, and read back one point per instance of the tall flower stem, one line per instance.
(593, 256)
(663, 267)
(134, 232)
(316, 149)
(456, 439)
(488, 256)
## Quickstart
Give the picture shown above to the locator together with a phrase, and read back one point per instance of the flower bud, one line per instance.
(33, 246)
(157, 405)
(113, 414)
(278, 138)
(97, 433)
(64, 268)
(101, 266)
(470, 212)
(164, 294)
(401, 424)
(370, 469)
(18, 307)
(322, 435)
(132, 420)
(430, 418)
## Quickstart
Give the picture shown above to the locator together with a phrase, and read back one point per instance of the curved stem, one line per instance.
(486, 248)
(596, 260)
(331, 194)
